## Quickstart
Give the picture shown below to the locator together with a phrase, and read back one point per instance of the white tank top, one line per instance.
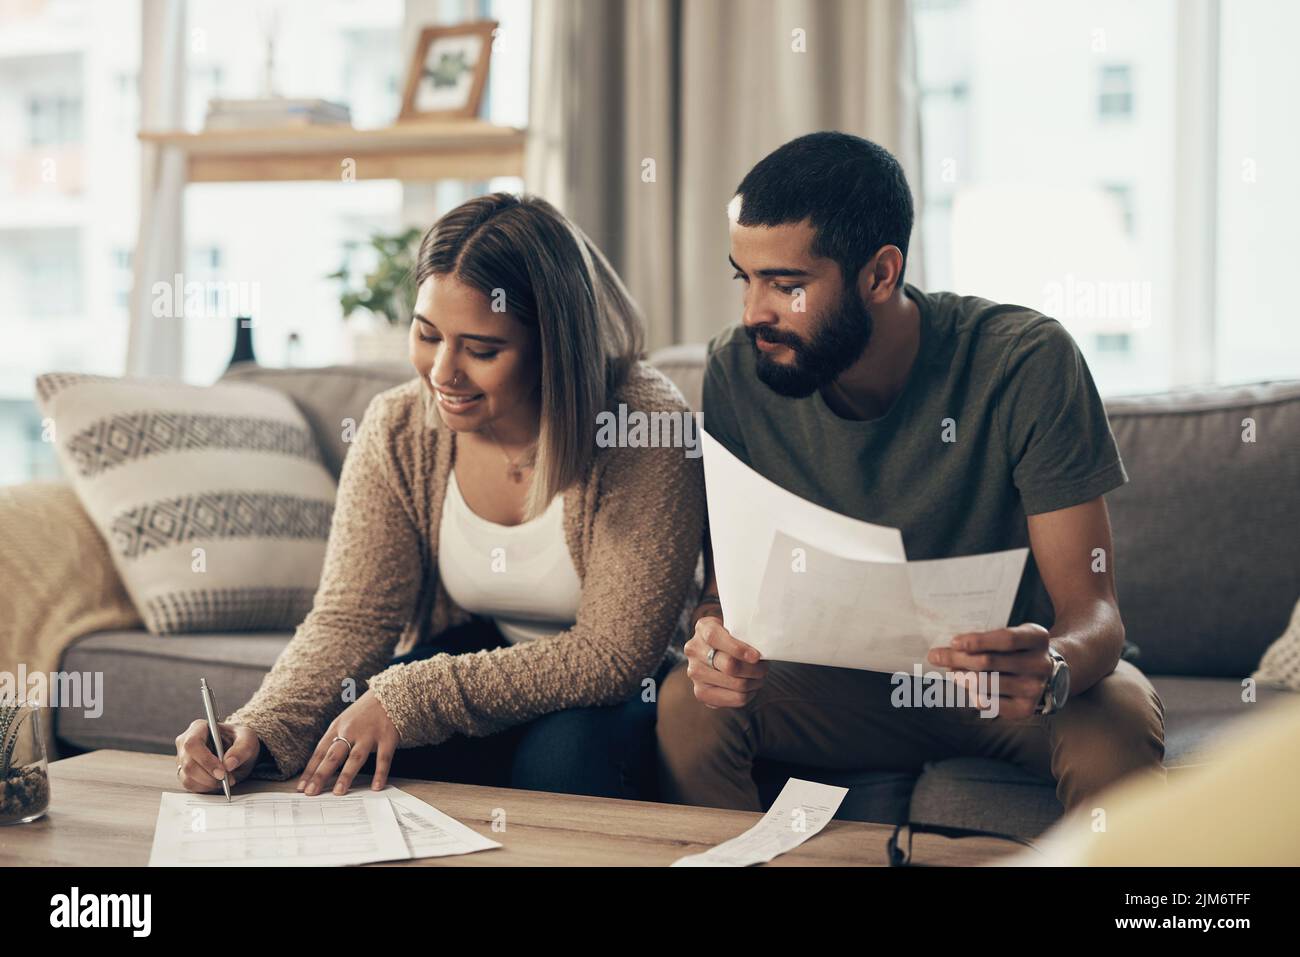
(522, 576)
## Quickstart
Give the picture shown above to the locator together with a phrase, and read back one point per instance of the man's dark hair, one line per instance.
(852, 190)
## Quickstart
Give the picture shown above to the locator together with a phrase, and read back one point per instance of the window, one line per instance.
(203, 82)
(120, 264)
(264, 249)
(1256, 336)
(1027, 196)
(26, 456)
(1122, 195)
(1115, 98)
(1033, 193)
(53, 120)
(350, 53)
(49, 276)
(127, 102)
(66, 226)
(1113, 342)
(261, 249)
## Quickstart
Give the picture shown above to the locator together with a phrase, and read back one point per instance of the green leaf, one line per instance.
(388, 289)
(11, 720)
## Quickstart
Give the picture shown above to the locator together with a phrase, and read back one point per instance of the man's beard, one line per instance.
(837, 341)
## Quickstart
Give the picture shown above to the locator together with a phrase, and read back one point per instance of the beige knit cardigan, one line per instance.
(633, 526)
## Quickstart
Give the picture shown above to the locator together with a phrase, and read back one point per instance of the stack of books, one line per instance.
(273, 113)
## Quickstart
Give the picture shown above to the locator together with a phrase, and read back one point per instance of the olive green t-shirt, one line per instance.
(999, 418)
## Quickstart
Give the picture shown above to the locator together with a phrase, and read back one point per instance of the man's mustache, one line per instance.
(774, 336)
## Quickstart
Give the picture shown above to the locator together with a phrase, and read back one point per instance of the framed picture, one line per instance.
(449, 71)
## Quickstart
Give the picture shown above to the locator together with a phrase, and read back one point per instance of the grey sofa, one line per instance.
(1208, 566)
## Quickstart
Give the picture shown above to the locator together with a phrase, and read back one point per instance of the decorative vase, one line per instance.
(243, 351)
(24, 765)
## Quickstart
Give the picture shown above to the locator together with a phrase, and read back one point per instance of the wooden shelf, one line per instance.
(431, 151)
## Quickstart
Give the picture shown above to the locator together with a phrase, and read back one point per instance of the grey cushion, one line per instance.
(327, 396)
(1207, 559)
(987, 795)
(982, 794)
(684, 364)
(151, 685)
(1199, 710)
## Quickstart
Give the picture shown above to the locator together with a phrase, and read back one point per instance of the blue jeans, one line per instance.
(603, 751)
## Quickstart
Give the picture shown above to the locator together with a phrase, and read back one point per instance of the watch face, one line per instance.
(1061, 686)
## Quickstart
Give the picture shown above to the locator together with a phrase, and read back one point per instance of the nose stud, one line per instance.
(434, 382)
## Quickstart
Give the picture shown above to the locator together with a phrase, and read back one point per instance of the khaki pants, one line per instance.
(843, 718)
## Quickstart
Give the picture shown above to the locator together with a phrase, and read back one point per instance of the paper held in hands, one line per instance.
(802, 583)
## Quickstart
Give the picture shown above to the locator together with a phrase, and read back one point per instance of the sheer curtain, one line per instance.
(154, 344)
(646, 114)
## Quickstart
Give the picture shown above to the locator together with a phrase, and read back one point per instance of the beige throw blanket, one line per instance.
(57, 580)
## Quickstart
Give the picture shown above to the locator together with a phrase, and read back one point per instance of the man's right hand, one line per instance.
(736, 673)
(200, 769)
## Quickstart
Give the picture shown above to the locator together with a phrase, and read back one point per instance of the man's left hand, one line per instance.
(1018, 655)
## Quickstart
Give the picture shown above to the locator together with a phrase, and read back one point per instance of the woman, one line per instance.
(530, 580)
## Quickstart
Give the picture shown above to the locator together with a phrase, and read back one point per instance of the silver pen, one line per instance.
(210, 706)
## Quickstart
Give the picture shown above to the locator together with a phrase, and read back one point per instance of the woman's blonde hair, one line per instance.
(556, 281)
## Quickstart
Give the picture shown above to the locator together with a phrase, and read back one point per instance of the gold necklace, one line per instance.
(515, 468)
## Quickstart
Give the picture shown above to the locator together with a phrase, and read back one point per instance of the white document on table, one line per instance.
(801, 810)
(802, 583)
(275, 829)
(430, 833)
(321, 830)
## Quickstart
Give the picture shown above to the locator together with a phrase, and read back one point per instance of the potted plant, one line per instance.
(24, 765)
(384, 301)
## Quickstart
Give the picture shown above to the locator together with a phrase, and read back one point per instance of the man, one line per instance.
(972, 427)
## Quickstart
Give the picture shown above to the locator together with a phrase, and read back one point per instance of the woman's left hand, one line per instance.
(366, 726)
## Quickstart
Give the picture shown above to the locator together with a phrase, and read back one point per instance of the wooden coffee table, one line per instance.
(104, 806)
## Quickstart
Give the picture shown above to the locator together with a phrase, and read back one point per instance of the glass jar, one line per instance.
(24, 765)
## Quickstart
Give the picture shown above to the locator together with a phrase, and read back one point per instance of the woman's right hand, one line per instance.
(199, 768)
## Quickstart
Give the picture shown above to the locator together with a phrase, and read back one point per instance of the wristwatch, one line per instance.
(1057, 688)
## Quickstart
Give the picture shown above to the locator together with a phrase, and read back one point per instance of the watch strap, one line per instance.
(1047, 703)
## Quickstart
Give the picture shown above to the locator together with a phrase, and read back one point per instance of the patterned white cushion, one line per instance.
(214, 500)
(1280, 665)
